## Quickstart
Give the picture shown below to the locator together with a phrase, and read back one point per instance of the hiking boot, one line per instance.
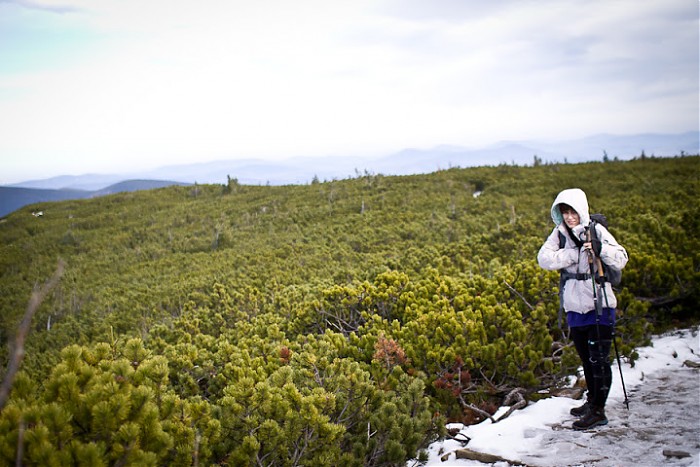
(581, 411)
(594, 417)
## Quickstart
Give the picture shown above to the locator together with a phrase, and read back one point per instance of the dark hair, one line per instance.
(565, 207)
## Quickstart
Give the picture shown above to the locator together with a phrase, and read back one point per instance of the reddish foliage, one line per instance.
(455, 379)
(285, 354)
(389, 353)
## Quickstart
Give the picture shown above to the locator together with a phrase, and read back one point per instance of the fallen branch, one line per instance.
(662, 301)
(476, 409)
(516, 395)
(482, 457)
(17, 352)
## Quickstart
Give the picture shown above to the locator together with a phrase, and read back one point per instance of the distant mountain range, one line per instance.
(14, 197)
(304, 169)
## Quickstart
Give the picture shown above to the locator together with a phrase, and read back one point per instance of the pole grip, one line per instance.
(593, 258)
(599, 267)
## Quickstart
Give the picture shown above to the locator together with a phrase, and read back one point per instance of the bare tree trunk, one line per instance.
(17, 352)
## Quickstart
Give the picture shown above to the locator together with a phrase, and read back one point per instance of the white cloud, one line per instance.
(175, 81)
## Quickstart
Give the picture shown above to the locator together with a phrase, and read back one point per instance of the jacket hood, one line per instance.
(576, 198)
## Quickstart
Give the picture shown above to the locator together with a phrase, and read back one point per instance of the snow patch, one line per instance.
(664, 397)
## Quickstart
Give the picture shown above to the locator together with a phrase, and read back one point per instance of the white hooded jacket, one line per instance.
(578, 294)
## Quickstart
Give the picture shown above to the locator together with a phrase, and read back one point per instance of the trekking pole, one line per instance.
(619, 366)
(596, 295)
(617, 354)
(592, 257)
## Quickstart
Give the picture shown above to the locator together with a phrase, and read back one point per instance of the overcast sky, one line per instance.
(117, 85)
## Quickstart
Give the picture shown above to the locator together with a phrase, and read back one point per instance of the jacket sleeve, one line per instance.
(552, 258)
(611, 253)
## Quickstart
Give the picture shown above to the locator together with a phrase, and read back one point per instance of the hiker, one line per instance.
(568, 249)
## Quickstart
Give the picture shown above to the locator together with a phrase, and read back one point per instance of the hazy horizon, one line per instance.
(119, 86)
(405, 162)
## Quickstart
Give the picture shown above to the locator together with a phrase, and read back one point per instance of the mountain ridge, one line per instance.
(408, 161)
(13, 198)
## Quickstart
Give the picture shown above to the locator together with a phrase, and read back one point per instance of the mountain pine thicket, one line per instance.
(335, 323)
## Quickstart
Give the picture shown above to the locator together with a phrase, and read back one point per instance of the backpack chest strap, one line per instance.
(579, 276)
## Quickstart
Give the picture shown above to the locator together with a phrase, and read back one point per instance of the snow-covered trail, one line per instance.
(664, 415)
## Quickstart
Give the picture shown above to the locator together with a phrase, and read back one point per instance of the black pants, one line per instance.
(593, 346)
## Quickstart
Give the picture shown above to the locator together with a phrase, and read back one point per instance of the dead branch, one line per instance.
(17, 352)
(476, 409)
(20, 443)
(516, 395)
(512, 289)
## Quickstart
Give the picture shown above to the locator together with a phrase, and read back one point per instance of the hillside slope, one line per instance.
(245, 318)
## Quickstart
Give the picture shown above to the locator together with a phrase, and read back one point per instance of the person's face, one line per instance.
(571, 217)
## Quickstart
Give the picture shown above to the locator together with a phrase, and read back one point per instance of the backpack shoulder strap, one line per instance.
(592, 228)
(562, 281)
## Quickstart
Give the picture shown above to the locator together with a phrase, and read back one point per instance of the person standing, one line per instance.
(568, 249)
